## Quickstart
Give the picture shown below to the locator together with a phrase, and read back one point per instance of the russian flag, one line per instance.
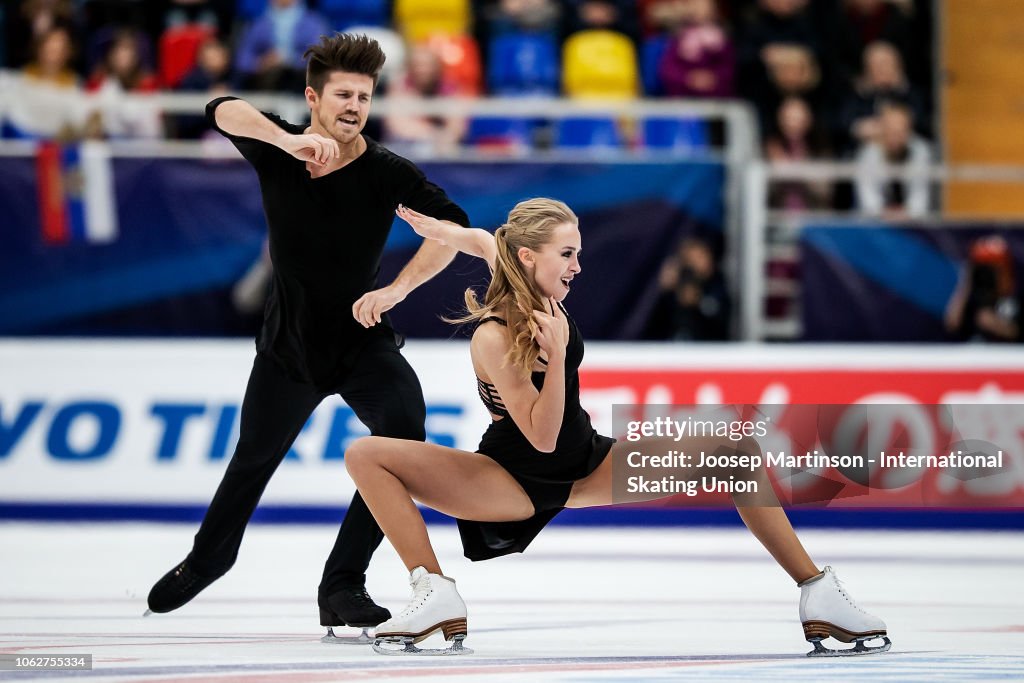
(76, 193)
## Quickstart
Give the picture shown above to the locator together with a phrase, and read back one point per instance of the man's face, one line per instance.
(344, 105)
(897, 124)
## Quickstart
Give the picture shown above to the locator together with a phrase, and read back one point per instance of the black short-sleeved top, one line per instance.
(327, 236)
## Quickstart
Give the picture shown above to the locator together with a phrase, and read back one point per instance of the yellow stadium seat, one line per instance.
(418, 20)
(599, 64)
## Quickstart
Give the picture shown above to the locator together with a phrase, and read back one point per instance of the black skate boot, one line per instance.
(350, 606)
(177, 587)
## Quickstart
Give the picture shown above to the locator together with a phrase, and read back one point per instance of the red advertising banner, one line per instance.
(918, 435)
(768, 386)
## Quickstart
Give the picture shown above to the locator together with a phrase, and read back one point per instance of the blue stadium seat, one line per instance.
(247, 10)
(342, 14)
(500, 132)
(650, 56)
(675, 134)
(523, 64)
(587, 132)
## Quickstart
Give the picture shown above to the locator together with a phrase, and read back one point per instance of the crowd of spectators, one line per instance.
(828, 79)
(818, 72)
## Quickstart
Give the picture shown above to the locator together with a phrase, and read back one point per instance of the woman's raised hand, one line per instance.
(424, 226)
(552, 334)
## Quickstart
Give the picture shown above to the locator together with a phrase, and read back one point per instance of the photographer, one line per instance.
(984, 306)
(694, 292)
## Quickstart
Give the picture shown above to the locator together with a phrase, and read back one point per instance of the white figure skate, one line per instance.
(826, 609)
(436, 606)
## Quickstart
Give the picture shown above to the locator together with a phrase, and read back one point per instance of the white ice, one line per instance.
(593, 604)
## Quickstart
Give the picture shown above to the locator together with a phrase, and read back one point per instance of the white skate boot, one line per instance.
(826, 609)
(436, 606)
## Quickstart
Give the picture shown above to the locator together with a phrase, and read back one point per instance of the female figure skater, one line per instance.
(540, 453)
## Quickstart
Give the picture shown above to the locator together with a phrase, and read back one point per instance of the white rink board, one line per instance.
(169, 412)
(153, 422)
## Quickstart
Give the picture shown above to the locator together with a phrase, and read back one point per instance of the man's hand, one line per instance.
(370, 306)
(312, 147)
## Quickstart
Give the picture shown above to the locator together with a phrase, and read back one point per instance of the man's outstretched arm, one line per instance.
(430, 259)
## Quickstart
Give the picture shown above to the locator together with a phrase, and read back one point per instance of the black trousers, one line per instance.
(385, 395)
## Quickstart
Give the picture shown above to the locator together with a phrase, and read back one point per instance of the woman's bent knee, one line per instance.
(360, 454)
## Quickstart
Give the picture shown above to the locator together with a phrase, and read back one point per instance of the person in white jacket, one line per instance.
(896, 145)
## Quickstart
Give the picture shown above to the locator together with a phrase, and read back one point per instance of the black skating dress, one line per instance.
(547, 478)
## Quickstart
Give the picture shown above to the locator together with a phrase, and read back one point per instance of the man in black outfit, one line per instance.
(330, 196)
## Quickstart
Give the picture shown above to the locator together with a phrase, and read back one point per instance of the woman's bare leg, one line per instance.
(771, 526)
(761, 513)
(391, 473)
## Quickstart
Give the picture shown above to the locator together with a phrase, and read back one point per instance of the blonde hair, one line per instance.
(512, 294)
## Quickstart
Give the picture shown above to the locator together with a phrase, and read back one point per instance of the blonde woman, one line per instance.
(540, 453)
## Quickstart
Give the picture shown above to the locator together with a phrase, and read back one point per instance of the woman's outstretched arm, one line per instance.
(472, 241)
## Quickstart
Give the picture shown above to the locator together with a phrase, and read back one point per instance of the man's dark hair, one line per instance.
(895, 101)
(342, 52)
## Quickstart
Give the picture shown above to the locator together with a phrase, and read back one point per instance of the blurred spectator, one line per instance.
(795, 136)
(217, 14)
(863, 22)
(985, 305)
(662, 17)
(896, 145)
(178, 51)
(122, 67)
(793, 71)
(104, 19)
(212, 75)
(269, 55)
(28, 22)
(609, 15)
(45, 101)
(699, 60)
(522, 16)
(122, 72)
(424, 79)
(212, 72)
(51, 64)
(694, 292)
(883, 79)
(775, 25)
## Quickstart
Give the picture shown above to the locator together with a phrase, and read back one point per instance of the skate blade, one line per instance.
(857, 650)
(389, 646)
(362, 639)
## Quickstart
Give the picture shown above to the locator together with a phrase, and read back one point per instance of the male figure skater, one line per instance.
(330, 196)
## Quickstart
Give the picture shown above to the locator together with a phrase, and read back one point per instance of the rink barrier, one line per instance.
(142, 429)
